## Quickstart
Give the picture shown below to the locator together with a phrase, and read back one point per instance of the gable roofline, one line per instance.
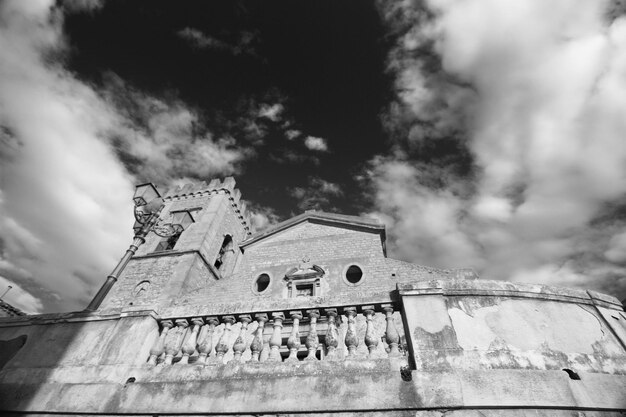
(321, 217)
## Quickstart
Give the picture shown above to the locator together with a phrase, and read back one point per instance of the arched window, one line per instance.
(225, 253)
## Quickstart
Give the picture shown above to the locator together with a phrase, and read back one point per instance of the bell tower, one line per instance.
(205, 252)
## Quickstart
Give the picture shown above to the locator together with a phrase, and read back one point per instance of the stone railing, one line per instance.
(349, 332)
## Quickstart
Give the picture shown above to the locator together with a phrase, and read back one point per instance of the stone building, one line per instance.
(311, 317)
(7, 310)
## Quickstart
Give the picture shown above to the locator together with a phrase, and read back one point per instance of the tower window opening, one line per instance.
(225, 251)
(167, 243)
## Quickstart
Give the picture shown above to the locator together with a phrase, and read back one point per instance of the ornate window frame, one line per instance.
(304, 274)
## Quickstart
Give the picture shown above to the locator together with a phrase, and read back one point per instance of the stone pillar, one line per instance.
(351, 338)
(332, 336)
(174, 340)
(205, 340)
(371, 341)
(293, 343)
(312, 341)
(159, 346)
(189, 346)
(222, 345)
(277, 338)
(257, 343)
(240, 344)
(391, 334)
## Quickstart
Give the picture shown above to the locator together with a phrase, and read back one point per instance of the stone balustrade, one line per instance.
(362, 332)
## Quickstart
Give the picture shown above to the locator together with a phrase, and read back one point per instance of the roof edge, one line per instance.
(332, 219)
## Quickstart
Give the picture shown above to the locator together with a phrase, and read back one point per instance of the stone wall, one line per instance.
(473, 346)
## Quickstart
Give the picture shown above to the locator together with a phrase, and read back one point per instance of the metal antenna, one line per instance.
(5, 293)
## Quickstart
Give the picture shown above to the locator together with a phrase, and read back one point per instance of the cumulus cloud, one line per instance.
(62, 185)
(316, 144)
(533, 93)
(271, 112)
(261, 217)
(70, 155)
(291, 134)
(164, 139)
(317, 195)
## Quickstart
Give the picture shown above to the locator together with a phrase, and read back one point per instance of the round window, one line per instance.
(354, 274)
(261, 283)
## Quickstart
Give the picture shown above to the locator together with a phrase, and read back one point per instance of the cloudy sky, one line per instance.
(484, 133)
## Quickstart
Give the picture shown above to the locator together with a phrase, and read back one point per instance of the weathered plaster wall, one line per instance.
(483, 328)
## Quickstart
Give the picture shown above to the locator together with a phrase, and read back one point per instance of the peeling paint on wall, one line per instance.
(527, 325)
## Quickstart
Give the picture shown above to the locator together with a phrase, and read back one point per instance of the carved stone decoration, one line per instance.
(159, 346)
(257, 343)
(140, 289)
(312, 341)
(351, 338)
(304, 280)
(240, 344)
(391, 334)
(205, 340)
(189, 346)
(276, 340)
(222, 344)
(174, 340)
(293, 343)
(332, 336)
(371, 341)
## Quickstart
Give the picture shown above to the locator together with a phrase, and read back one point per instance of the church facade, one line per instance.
(311, 317)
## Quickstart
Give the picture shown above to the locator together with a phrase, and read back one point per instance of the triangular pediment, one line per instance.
(335, 224)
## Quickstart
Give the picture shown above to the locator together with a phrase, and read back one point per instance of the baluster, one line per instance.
(189, 345)
(240, 344)
(205, 340)
(222, 345)
(174, 340)
(294, 339)
(277, 338)
(159, 346)
(351, 339)
(312, 341)
(332, 336)
(265, 353)
(391, 335)
(257, 343)
(371, 341)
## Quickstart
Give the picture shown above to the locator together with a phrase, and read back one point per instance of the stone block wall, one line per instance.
(168, 277)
